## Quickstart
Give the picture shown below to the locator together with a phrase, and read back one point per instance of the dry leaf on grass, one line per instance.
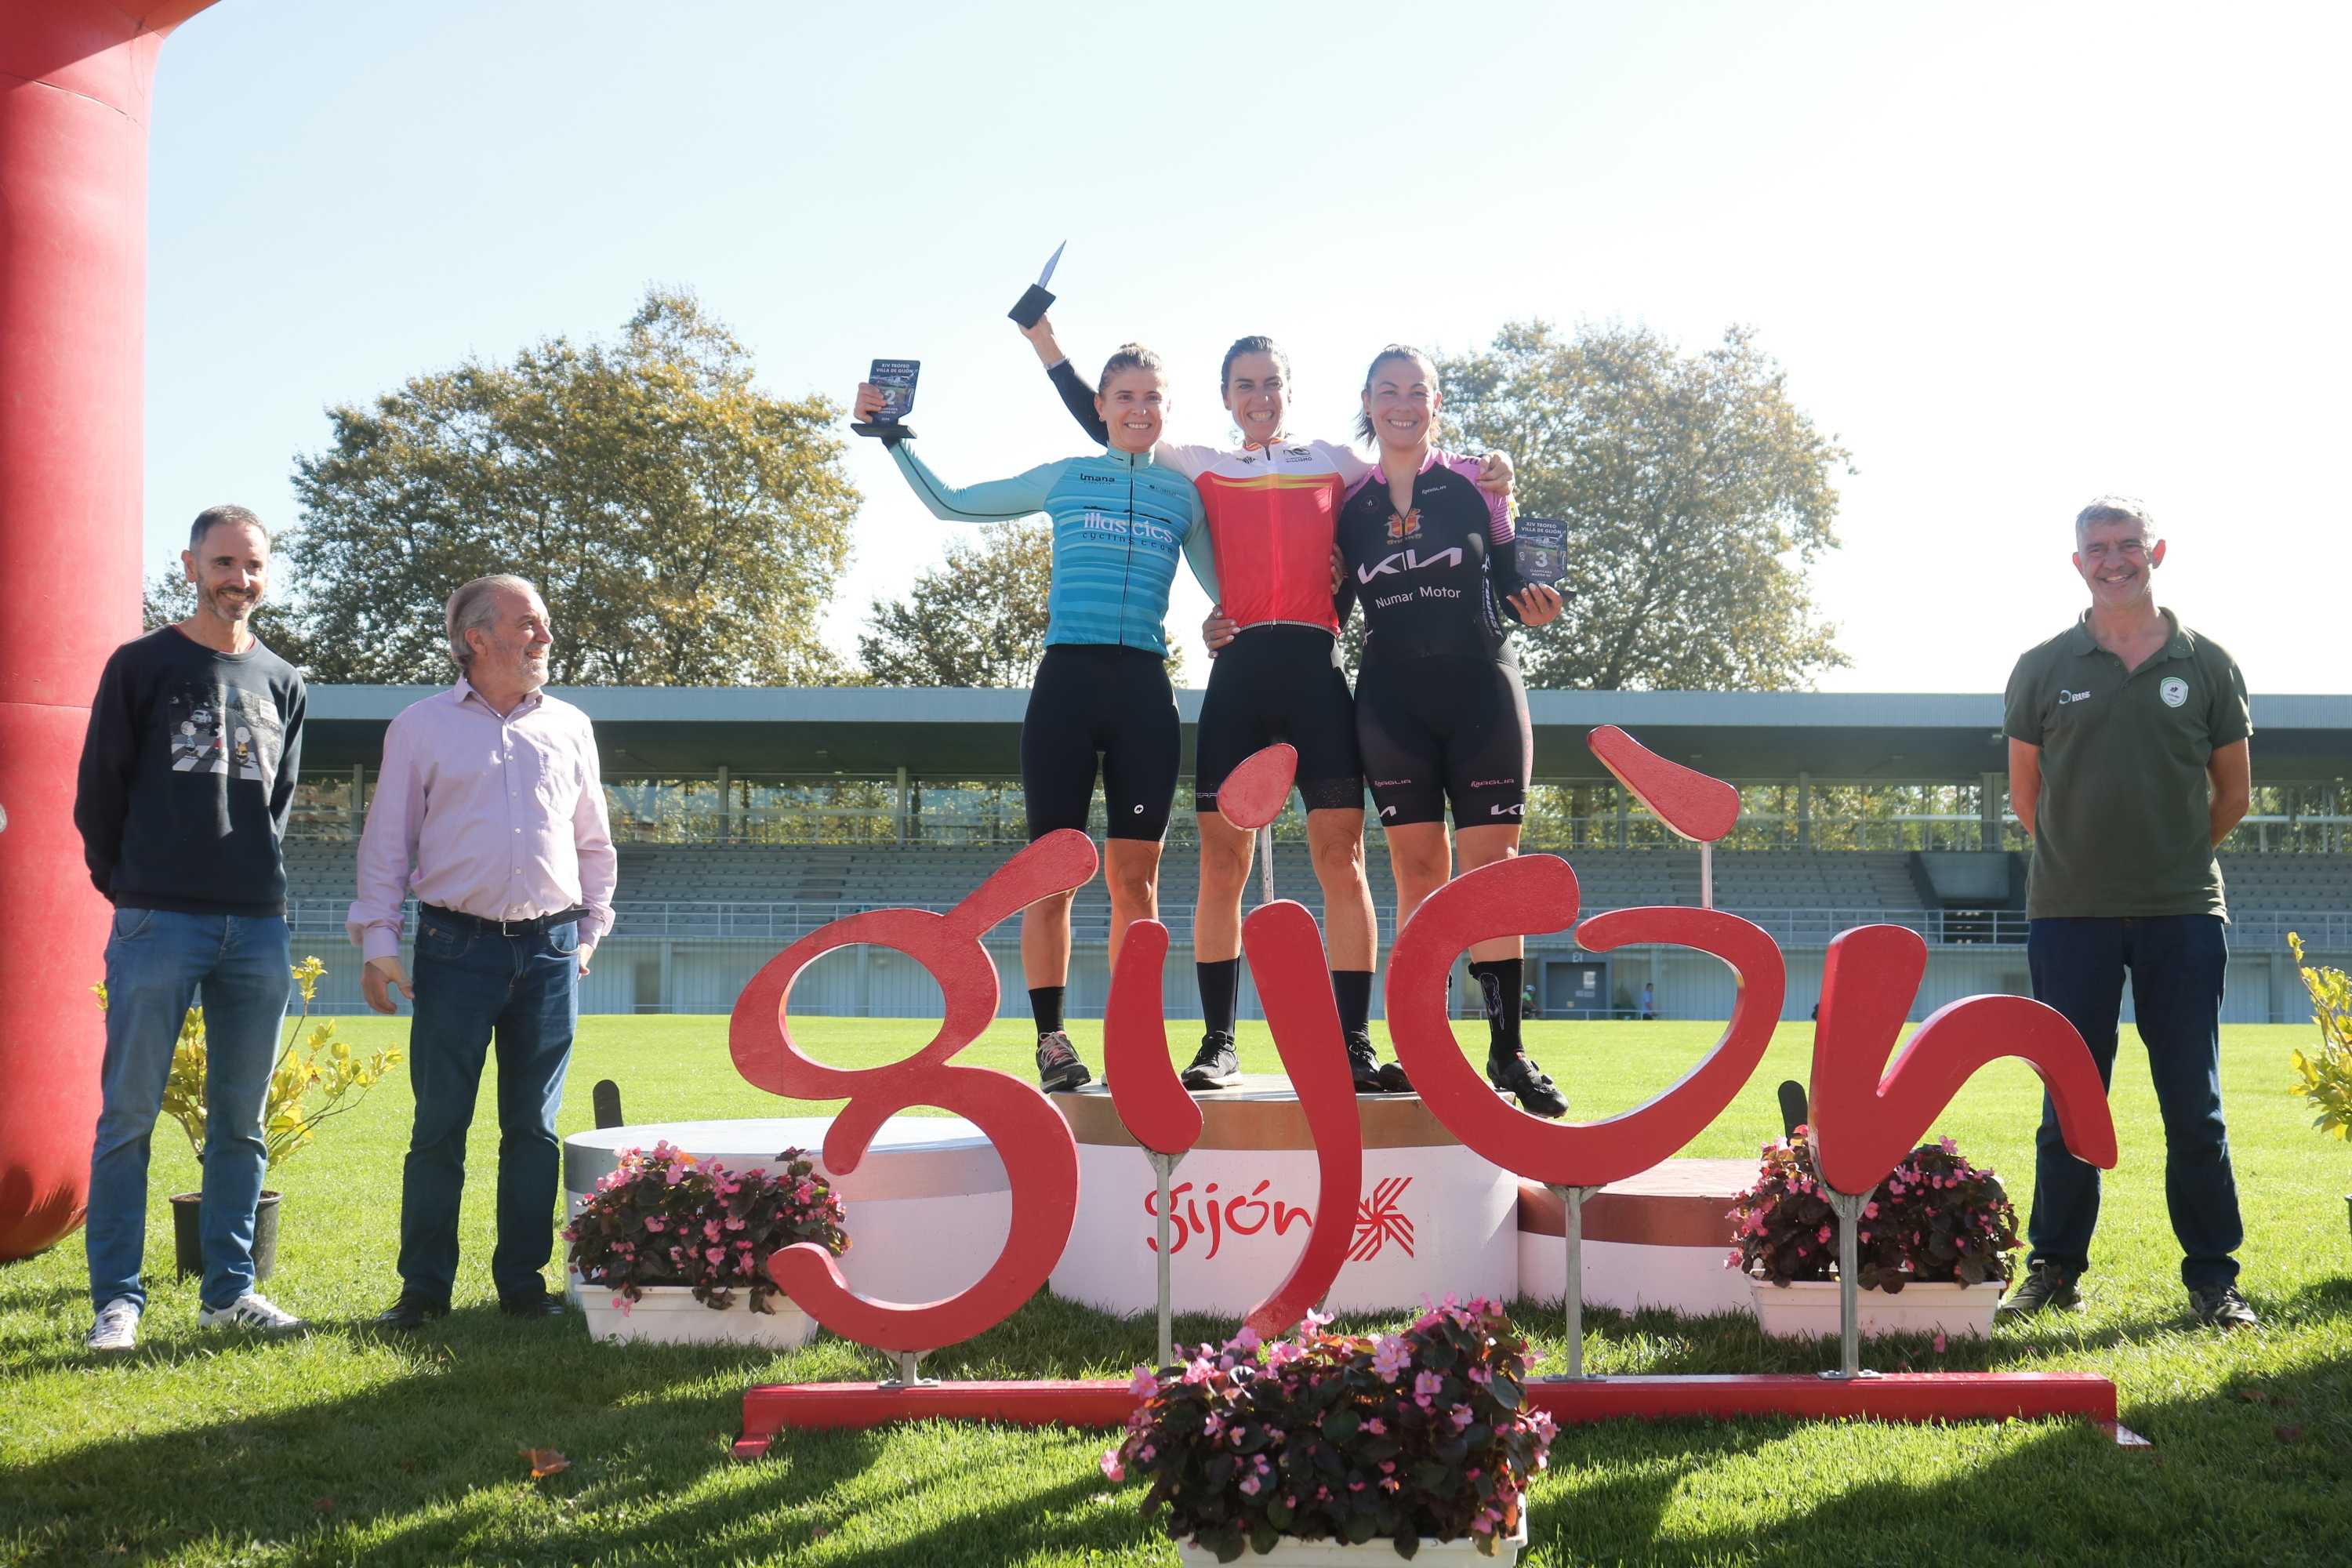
(545, 1462)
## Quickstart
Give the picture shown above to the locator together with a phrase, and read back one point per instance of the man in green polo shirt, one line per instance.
(2128, 763)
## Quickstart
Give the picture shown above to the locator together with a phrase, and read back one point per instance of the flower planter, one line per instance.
(1343, 1555)
(188, 1238)
(1809, 1309)
(669, 1315)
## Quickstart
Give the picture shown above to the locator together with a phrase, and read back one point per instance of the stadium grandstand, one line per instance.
(749, 817)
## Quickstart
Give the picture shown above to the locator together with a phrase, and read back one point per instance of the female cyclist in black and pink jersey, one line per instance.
(1441, 716)
(1272, 506)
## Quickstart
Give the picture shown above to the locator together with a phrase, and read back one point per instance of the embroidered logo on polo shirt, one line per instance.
(2064, 697)
(2173, 690)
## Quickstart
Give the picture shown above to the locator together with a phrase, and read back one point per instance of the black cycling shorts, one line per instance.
(1281, 683)
(1445, 727)
(1092, 698)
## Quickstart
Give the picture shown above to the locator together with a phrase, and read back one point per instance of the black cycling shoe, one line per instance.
(1392, 1078)
(1364, 1063)
(1059, 1067)
(1515, 1075)
(1216, 1066)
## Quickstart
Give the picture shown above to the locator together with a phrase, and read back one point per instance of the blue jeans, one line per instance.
(473, 986)
(2178, 964)
(157, 965)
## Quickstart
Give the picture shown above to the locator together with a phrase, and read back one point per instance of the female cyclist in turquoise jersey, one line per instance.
(1272, 506)
(1119, 519)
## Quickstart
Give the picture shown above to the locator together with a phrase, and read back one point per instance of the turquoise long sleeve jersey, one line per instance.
(1120, 521)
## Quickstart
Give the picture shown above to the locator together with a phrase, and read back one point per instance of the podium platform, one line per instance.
(1656, 1239)
(928, 1208)
(1431, 1218)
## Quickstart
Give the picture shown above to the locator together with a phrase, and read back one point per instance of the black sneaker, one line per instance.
(1364, 1063)
(1216, 1065)
(1515, 1075)
(1059, 1067)
(2223, 1308)
(2045, 1288)
(1392, 1078)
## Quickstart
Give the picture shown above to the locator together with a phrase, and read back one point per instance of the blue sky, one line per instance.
(2009, 257)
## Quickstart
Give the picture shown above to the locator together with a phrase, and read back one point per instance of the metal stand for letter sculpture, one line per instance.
(1848, 1207)
(1163, 1167)
(1572, 1231)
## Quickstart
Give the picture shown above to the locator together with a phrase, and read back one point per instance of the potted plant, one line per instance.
(316, 1076)
(673, 1249)
(1934, 1245)
(2326, 1080)
(1340, 1448)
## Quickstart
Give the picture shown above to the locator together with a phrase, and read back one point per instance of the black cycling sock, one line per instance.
(1499, 980)
(1221, 980)
(1353, 988)
(1045, 1001)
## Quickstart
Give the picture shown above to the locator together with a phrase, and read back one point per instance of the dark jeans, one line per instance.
(2177, 963)
(158, 964)
(473, 986)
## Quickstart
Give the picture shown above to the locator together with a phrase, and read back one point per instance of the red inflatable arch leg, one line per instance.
(74, 80)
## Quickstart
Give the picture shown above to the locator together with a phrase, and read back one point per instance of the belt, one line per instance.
(532, 927)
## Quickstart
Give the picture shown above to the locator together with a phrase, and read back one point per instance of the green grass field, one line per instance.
(348, 1447)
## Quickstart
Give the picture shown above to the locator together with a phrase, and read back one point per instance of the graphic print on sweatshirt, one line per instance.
(222, 730)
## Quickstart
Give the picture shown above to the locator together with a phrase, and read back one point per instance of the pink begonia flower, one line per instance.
(1870, 1211)
(1248, 1341)
(1282, 1353)
(715, 1254)
(1425, 1387)
(1250, 1485)
(1146, 1454)
(1355, 1486)
(1377, 1427)
(1388, 1466)
(1462, 1418)
(1143, 1385)
(1941, 1342)
(1948, 1144)
(1480, 1373)
(1112, 1467)
(1391, 1355)
(710, 1230)
(1315, 1319)
(1200, 1371)
(655, 1221)
(1213, 1424)
(1822, 1235)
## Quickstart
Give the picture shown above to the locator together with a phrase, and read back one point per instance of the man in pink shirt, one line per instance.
(489, 810)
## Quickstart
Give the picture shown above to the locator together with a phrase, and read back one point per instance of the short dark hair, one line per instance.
(2113, 509)
(1131, 356)
(1364, 430)
(1258, 345)
(213, 516)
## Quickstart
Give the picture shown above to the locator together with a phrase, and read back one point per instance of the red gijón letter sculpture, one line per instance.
(1527, 896)
(1864, 1123)
(1041, 1158)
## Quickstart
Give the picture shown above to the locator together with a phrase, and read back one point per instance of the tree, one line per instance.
(1696, 496)
(685, 528)
(977, 619)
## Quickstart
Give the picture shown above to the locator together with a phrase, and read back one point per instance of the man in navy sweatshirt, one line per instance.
(187, 778)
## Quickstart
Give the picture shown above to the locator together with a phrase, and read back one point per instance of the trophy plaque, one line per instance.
(1033, 304)
(895, 378)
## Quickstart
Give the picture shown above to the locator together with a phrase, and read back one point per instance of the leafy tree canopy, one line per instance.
(685, 528)
(1697, 495)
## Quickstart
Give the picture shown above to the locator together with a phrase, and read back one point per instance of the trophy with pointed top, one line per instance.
(1035, 301)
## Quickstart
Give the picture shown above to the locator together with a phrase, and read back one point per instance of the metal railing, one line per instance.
(1799, 928)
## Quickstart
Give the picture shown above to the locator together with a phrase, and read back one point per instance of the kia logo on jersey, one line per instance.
(1410, 560)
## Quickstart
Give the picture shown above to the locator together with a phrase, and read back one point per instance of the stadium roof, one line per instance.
(692, 732)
